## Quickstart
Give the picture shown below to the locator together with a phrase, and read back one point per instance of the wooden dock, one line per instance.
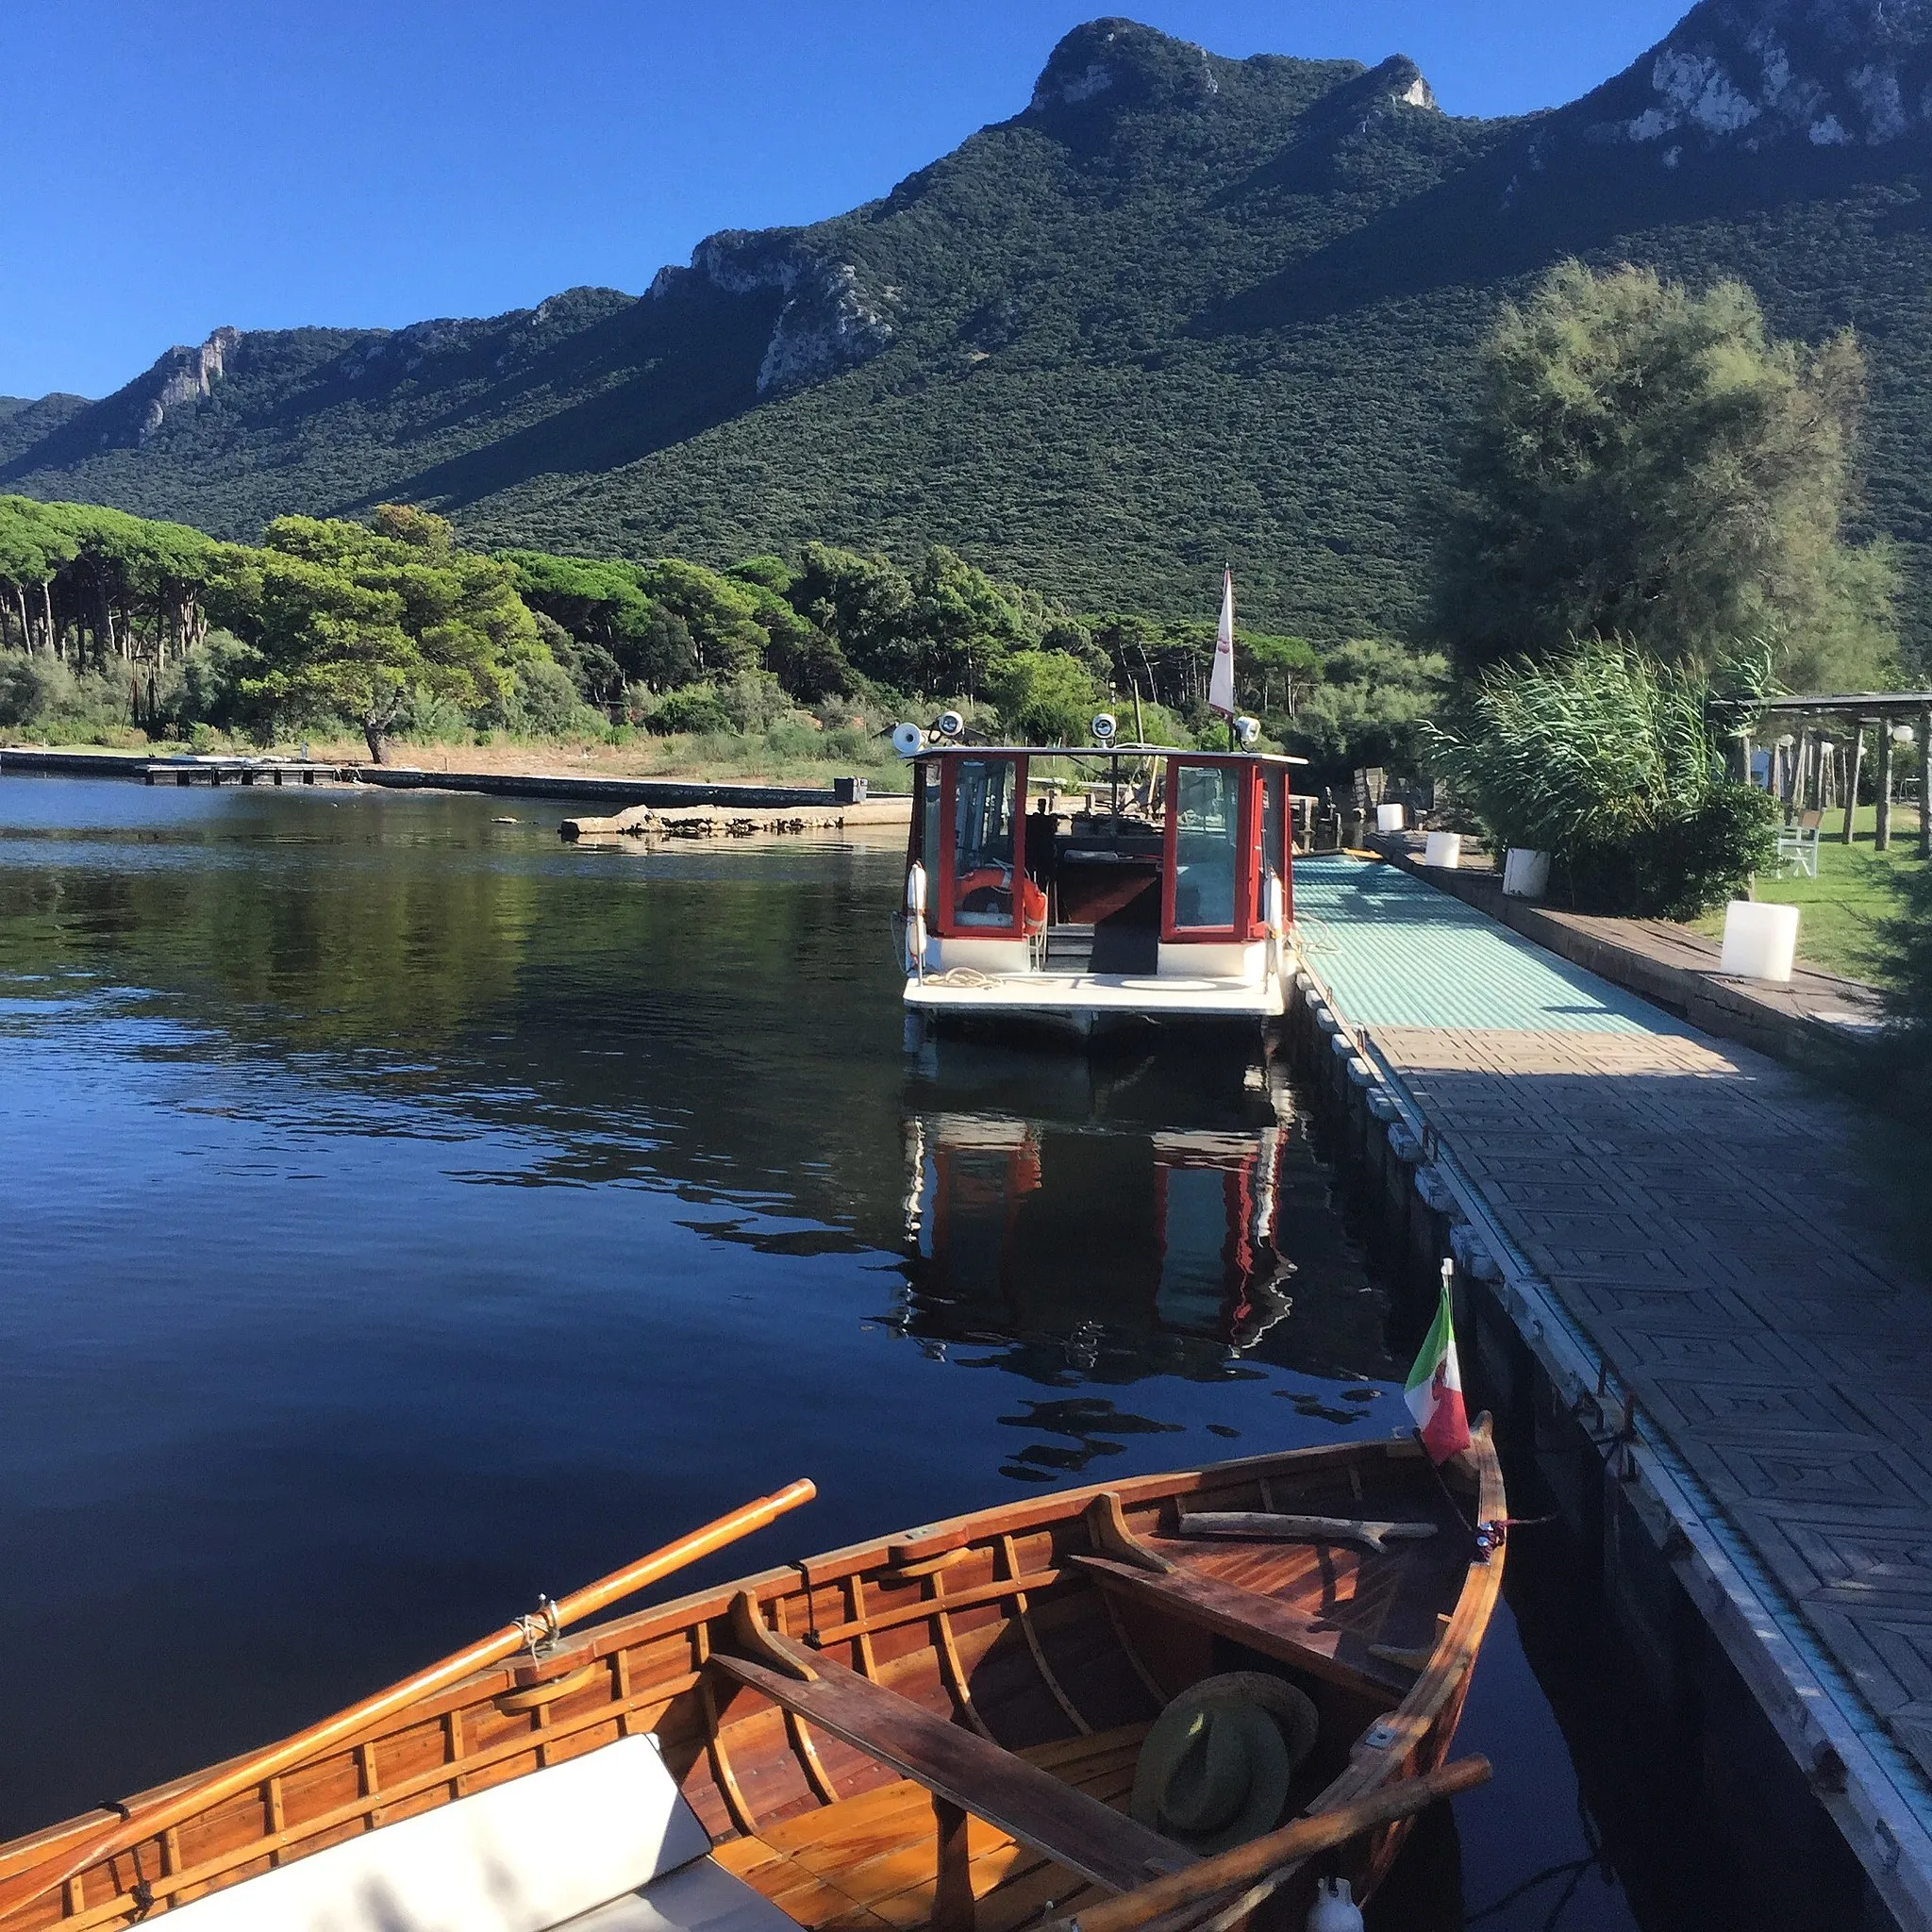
(1682, 1235)
(842, 794)
(245, 771)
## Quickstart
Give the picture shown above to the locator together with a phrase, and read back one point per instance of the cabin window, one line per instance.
(1206, 846)
(984, 799)
(930, 825)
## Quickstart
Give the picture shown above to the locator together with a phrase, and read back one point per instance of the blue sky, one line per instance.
(171, 165)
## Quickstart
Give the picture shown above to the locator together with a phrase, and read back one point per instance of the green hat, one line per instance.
(1215, 1768)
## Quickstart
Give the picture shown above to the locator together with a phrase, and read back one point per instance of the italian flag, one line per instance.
(1434, 1393)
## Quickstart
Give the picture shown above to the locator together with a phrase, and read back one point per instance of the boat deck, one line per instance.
(871, 1861)
(1134, 996)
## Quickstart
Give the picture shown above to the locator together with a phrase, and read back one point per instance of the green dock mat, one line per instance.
(1395, 952)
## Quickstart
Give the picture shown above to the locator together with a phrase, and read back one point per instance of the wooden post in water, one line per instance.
(1857, 770)
(1881, 839)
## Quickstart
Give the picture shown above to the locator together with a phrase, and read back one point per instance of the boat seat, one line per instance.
(605, 1840)
(963, 1768)
(1262, 1623)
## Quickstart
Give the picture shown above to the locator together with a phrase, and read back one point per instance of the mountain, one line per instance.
(1178, 309)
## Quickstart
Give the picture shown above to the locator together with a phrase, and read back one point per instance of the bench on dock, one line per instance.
(603, 1843)
(964, 1773)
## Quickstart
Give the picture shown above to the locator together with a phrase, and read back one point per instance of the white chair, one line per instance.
(1797, 845)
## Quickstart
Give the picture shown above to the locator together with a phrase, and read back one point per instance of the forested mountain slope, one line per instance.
(1179, 310)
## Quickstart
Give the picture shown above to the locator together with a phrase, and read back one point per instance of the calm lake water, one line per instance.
(405, 1212)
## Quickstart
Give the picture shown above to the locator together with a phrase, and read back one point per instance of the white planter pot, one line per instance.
(1443, 849)
(1388, 817)
(1526, 874)
(1761, 941)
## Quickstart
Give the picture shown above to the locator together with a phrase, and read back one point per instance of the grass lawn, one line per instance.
(1854, 893)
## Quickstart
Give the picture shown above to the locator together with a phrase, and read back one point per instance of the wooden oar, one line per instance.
(1213, 1880)
(172, 1809)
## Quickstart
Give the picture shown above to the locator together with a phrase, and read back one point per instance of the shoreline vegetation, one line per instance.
(124, 632)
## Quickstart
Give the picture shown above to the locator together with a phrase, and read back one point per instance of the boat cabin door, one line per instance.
(971, 834)
(1211, 883)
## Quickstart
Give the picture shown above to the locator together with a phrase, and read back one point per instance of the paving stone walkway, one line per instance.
(1703, 1214)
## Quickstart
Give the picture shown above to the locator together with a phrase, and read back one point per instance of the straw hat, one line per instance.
(1215, 1768)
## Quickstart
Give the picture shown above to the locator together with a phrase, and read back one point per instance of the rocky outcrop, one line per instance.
(1748, 73)
(830, 320)
(184, 375)
(1118, 63)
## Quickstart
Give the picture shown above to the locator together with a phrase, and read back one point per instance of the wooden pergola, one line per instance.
(1855, 712)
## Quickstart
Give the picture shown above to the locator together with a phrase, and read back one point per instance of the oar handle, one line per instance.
(1213, 1879)
(138, 1824)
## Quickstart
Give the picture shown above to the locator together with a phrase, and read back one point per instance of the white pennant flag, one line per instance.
(1221, 685)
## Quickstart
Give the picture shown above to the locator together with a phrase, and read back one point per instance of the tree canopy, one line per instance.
(353, 620)
(1648, 463)
(392, 624)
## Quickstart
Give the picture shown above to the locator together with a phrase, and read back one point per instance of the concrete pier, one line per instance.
(1676, 1289)
(674, 792)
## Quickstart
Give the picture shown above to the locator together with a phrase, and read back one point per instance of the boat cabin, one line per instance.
(1124, 880)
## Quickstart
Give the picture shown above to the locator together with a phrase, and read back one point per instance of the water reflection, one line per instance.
(1167, 1211)
(1170, 1234)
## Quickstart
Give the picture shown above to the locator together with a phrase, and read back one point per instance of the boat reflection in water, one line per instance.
(1192, 1235)
(1163, 1215)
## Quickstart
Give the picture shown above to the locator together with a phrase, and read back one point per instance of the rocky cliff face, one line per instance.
(1751, 73)
(183, 376)
(830, 321)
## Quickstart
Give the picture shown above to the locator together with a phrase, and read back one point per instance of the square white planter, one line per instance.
(1388, 817)
(1443, 849)
(1761, 941)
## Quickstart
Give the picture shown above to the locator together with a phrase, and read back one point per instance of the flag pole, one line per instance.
(1227, 565)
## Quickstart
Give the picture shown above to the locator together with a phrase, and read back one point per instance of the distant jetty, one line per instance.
(844, 797)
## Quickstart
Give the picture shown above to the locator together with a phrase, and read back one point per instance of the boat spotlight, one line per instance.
(908, 741)
(1246, 730)
(1104, 727)
(951, 725)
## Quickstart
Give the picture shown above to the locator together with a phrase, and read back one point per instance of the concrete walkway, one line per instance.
(1700, 1213)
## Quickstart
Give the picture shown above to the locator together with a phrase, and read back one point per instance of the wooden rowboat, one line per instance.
(940, 1728)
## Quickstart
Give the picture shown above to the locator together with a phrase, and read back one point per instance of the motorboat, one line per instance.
(1097, 890)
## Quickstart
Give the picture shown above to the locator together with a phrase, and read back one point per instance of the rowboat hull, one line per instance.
(1055, 1628)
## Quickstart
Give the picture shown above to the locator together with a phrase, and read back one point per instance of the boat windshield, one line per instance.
(1206, 829)
(983, 841)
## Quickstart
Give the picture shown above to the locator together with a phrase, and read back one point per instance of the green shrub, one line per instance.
(692, 708)
(752, 701)
(32, 689)
(1606, 762)
(204, 683)
(792, 738)
(542, 702)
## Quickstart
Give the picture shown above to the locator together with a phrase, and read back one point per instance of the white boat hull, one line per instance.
(1086, 1006)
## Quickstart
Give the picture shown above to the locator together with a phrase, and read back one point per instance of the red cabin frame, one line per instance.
(1251, 862)
(1247, 878)
(939, 866)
